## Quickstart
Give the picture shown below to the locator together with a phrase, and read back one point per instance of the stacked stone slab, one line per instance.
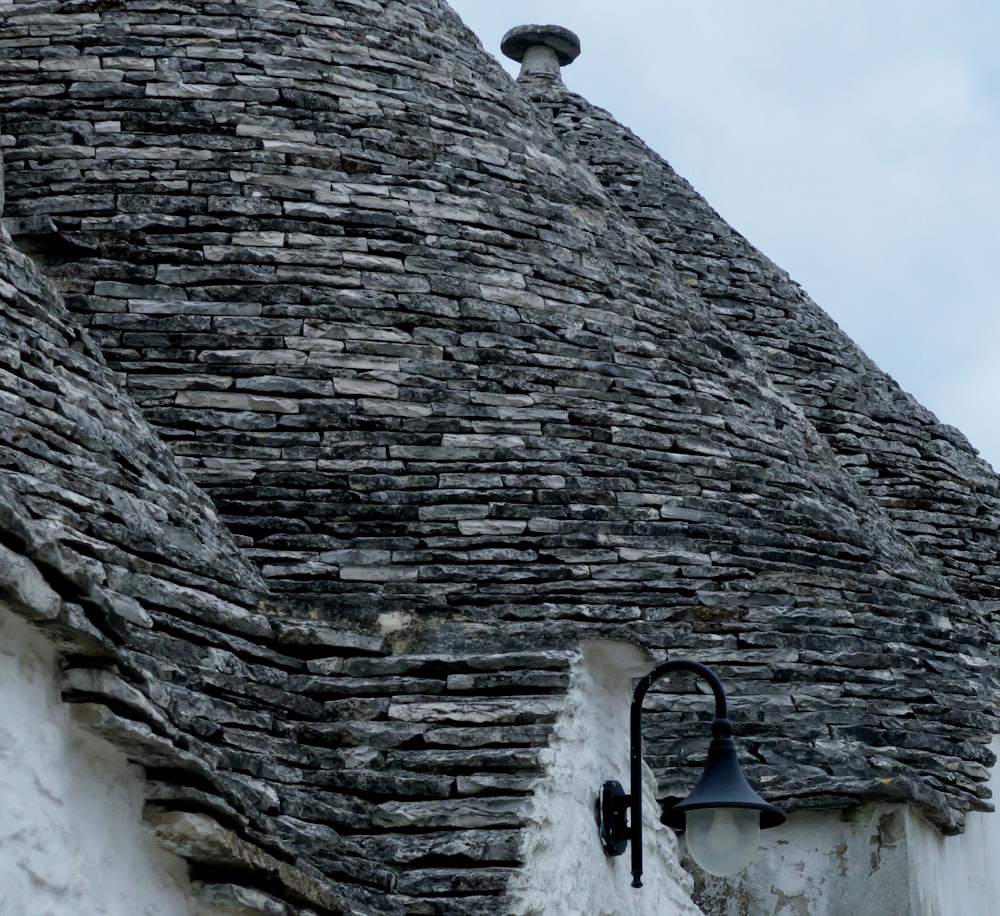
(452, 390)
(116, 556)
(288, 761)
(923, 474)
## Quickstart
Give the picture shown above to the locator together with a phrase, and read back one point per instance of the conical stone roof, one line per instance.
(433, 350)
(923, 474)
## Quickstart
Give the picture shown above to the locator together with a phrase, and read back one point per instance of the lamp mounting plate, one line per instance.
(612, 806)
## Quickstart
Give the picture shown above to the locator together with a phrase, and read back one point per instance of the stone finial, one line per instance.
(541, 49)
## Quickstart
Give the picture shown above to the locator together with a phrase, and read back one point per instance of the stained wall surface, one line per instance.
(883, 859)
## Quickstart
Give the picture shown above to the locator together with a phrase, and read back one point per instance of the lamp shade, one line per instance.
(723, 785)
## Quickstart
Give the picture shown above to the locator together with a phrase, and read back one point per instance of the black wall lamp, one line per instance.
(722, 817)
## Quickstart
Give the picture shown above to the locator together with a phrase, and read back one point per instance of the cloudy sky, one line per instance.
(856, 143)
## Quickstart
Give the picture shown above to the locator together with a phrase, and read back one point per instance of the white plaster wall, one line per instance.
(823, 863)
(959, 875)
(72, 841)
(883, 860)
(566, 872)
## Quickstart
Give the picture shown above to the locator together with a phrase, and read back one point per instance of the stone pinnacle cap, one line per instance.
(540, 49)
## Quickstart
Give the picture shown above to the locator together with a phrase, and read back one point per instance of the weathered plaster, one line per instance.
(72, 840)
(883, 859)
(566, 870)
(822, 863)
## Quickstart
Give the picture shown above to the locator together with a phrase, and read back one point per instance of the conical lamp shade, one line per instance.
(723, 785)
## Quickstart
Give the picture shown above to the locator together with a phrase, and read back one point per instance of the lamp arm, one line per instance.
(719, 727)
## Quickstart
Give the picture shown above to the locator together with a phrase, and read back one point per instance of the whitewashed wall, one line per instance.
(566, 871)
(823, 863)
(72, 841)
(875, 860)
(959, 875)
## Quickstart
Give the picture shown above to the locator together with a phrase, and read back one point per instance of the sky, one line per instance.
(855, 142)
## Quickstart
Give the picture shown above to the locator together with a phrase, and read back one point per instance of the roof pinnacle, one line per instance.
(541, 50)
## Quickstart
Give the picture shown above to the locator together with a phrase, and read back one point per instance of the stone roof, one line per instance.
(924, 475)
(469, 376)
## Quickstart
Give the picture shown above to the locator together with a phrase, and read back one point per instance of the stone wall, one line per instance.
(111, 552)
(298, 766)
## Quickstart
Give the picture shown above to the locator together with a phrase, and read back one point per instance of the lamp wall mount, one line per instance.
(612, 817)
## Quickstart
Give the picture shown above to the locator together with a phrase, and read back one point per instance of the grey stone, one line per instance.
(25, 587)
(439, 376)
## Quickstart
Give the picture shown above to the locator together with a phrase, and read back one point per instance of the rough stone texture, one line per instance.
(287, 754)
(468, 381)
(124, 564)
(923, 474)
